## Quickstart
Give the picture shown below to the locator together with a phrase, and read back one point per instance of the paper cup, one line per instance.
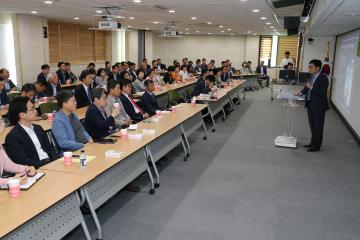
(50, 116)
(116, 105)
(173, 109)
(14, 187)
(123, 134)
(158, 112)
(45, 99)
(68, 158)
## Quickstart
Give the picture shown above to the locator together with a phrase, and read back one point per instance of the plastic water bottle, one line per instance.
(82, 158)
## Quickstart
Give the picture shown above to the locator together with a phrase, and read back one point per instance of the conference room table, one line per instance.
(225, 96)
(251, 79)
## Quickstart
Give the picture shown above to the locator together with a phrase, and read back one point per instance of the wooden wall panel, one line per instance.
(288, 43)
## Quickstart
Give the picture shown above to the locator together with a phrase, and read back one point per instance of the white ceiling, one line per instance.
(236, 15)
(344, 16)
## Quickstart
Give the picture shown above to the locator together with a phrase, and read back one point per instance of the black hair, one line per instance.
(98, 73)
(67, 64)
(204, 59)
(124, 83)
(243, 64)
(147, 82)
(112, 84)
(212, 61)
(114, 66)
(45, 66)
(63, 97)
(17, 106)
(158, 59)
(171, 68)
(223, 67)
(182, 66)
(106, 63)
(145, 59)
(139, 71)
(290, 64)
(86, 73)
(316, 62)
(204, 70)
(153, 61)
(249, 62)
(41, 82)
(198, 60)
(60, 63)
(211, 78)
(222, 63)
(287, 53)
(28, 87)
(131, 64)
(91, 64)
(176, 66)
(97, 93)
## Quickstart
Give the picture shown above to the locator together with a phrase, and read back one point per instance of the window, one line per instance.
(265, 49)
(288, 43)
(76, 43)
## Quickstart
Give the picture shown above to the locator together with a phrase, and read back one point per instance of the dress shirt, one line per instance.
(30, 131)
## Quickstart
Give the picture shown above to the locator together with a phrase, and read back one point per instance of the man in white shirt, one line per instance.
(54, 85)
(285, 61)
(27, 143)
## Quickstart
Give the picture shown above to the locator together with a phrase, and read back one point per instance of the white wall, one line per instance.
(317, 50)
(118, 46)
(235, 48)
(149, 46)
(132, 43)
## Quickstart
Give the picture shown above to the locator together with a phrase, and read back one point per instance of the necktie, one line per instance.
(89, 94)
(312, 79)
(136, 106)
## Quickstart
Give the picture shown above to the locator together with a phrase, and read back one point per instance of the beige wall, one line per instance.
(235, 48)
(149, 46)
(132, 40)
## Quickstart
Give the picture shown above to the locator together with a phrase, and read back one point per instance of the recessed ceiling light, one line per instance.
(221, 26)
(120, 17)
(34, 12)
(243, 0)
(255, 10)
(48, 2)
(229, 29)
(249, 31)
(181, 32)
(147, 28)
(274, 30)
(254, 34)
(171, 11)
(129, 26)
(76, 18)
(197, 31)
(231, 34)
(131, 18)
(193, 18)
(209, 33)
(136, 1)
(187, 33)
(222, 31)
(209, 23)
(263, 18)
(268, 23)
(271, 27)
(187, 29)
(98, 11)
(156, 22)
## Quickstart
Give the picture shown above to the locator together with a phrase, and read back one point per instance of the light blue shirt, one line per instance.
(312, 81)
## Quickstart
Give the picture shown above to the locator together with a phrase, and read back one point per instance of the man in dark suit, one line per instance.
(114, 74)
(44, 72)
(27, 143)
(261, 69)
(200, 86)
(62, 74)
(83, 91)
(160, 65)
(225, 74)
(131, 108)
(97, 123)
(54, 86)
(148, 99)
(132, 71)
(317, 104)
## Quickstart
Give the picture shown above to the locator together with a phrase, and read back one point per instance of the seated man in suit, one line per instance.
(3, 95)
(53, 85)
(225, 74)
(131, 108)
(114, 91)
(167, 76)
(9, 85)
(41, 89)
(200, 86)
(62, 74)
(97, 123)
(27, 143)
(148, 99)
(66, 127)
(71, 75)
(114, 74)
(261, 69)
(83, 91)
(160, 65)
(45, 69)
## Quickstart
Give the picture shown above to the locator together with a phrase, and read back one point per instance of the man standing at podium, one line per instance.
(317, 104)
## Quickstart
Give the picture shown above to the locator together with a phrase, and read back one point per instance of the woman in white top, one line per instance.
(138, 84)
(184, 75)
(244, 68)
(101, 78)
(152, 76)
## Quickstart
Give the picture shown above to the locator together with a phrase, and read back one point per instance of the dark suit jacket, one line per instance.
(200, 87)
(96, 125)
(132, 74)
(62, 77)
(21, 149)
(167, 78)
(225, 77)
(318, 95)
(3, 97)
(129, 109)
(162, 66)
(258, 70)
(81, 96)
(50, 90)
(149, 103)
(41, 78)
